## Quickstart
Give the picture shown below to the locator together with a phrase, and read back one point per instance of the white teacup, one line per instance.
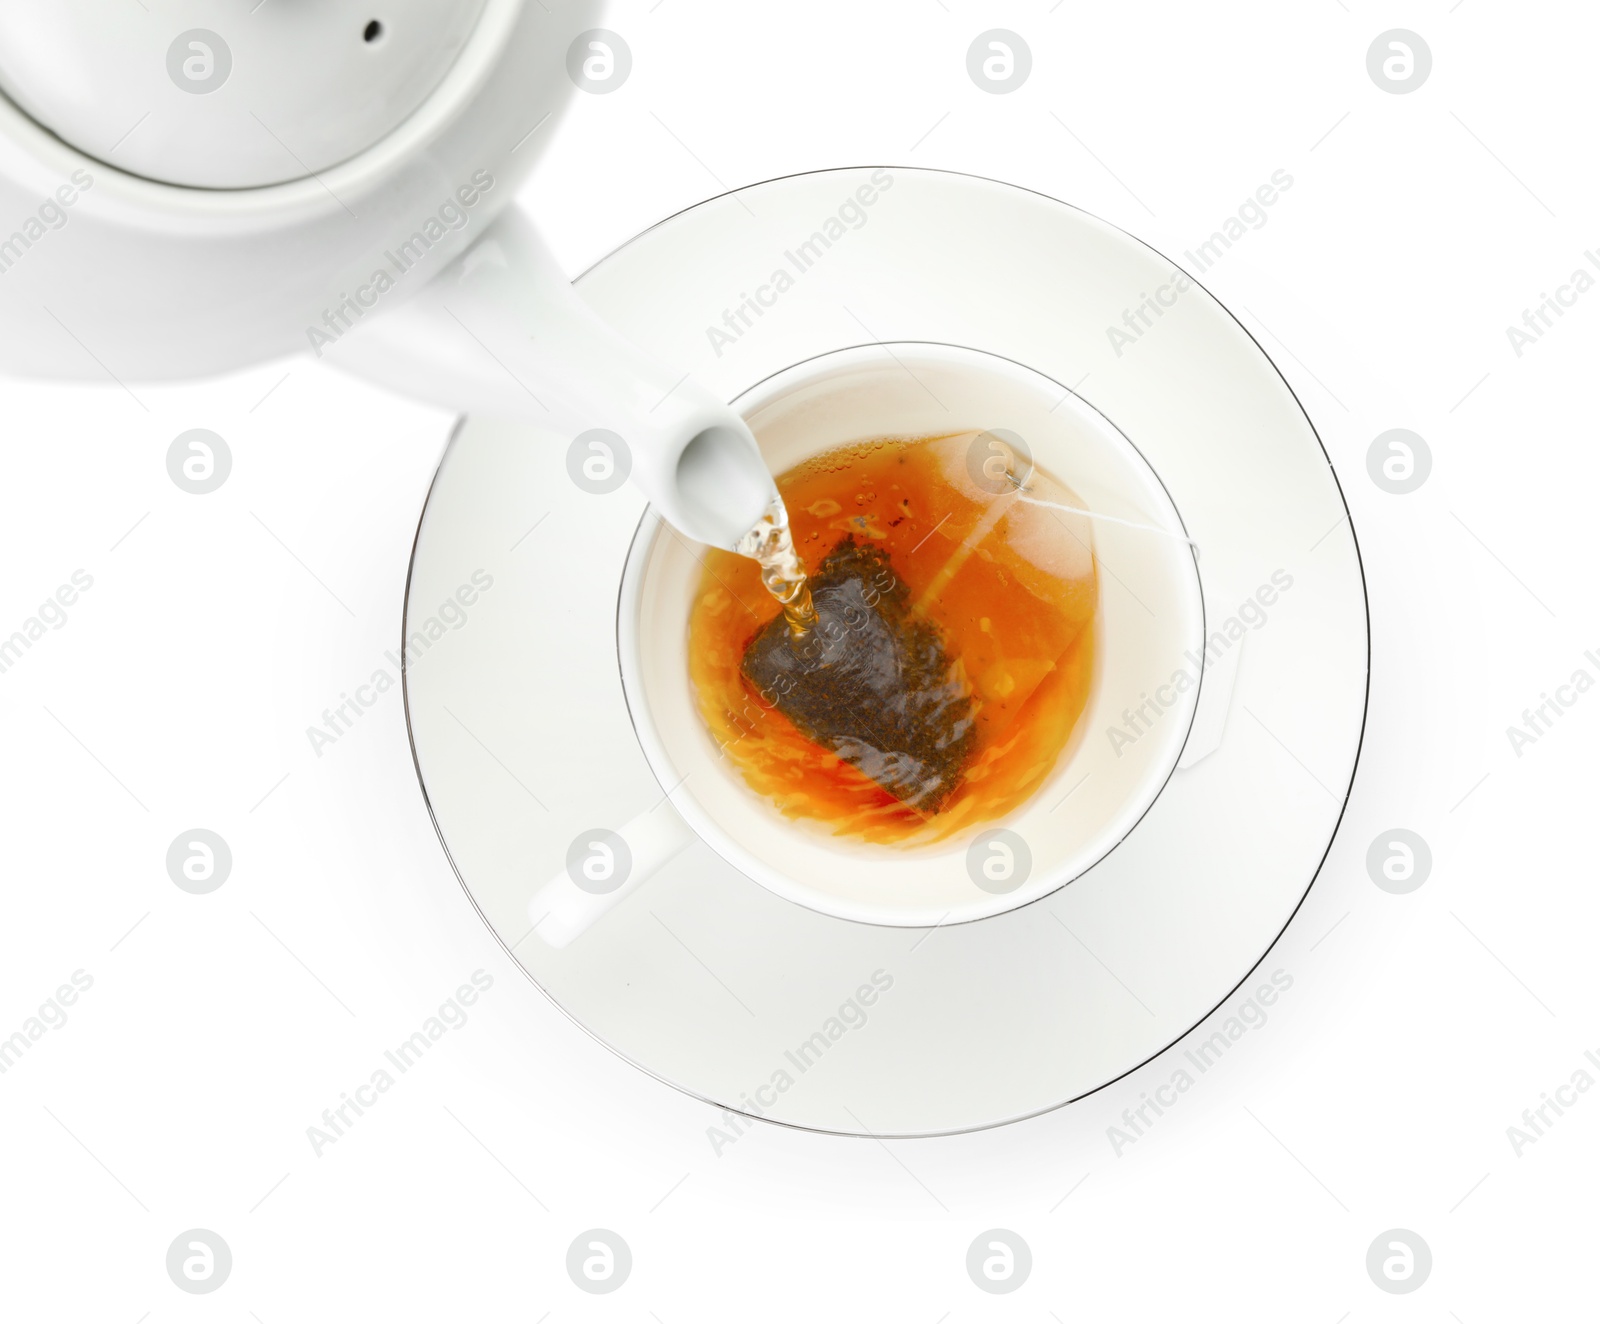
(1149, 620)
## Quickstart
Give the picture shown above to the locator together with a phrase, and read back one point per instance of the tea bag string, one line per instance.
(995, 513)
(958, 558)
(1109, 519)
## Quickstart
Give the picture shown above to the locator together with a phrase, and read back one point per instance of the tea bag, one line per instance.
(955, 589)
(870, 680)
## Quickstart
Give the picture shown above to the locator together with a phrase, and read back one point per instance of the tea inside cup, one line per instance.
(1086, 487)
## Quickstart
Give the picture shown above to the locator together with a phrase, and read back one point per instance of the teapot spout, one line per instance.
(502, 331)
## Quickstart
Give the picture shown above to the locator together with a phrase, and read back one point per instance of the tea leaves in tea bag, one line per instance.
(870, 681)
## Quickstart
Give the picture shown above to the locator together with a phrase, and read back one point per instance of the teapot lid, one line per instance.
(140, 239)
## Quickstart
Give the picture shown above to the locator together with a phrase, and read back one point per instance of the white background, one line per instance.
(1379, 1094)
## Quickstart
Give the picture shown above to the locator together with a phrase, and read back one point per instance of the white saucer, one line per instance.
(715, 985)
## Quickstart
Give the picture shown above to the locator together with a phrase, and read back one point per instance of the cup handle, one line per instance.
(562, 909)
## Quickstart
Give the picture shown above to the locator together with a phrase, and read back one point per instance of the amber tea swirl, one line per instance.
(936, 646)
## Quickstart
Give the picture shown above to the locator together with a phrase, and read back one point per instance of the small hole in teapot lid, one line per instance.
(373, 31)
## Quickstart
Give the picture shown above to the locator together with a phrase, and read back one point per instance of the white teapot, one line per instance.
(190, 187)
